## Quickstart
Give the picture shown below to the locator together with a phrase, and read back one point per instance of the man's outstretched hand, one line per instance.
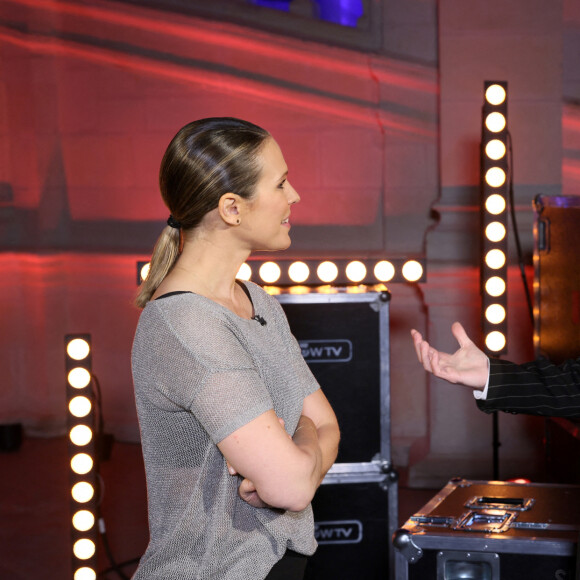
(467, 366)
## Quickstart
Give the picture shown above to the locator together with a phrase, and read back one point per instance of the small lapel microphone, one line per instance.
(259, 319)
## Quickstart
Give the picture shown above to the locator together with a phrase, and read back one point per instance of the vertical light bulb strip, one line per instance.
(82, 464)
(494, 206)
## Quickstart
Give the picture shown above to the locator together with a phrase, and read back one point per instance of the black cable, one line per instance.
(515, 228)
(121, 565)
(98, 400)
(114, 566)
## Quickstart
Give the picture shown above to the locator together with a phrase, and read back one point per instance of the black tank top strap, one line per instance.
(173, 294)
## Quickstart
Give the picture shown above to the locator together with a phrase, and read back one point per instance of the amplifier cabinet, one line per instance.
(345, 341)
(491, 530)
(557, 277)
(355, 513)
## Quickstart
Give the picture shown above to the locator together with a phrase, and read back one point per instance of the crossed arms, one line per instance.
(278, 470)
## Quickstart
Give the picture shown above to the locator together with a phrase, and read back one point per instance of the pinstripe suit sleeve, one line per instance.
(535, 388)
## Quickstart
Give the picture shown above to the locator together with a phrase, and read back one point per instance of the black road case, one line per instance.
(556, 277)
(345, 341)
(489, 530)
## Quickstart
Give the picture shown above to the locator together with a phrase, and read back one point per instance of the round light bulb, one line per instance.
(495, 259)
(79, 378)
(495, 341)
(327, 272)
(270, 272)
(85, 573)
(412, 270)
(79, 406)
(82, 492)
(495, 232)
(145, 271)
(78, 349)
(356, 271)
(84, 549)
(495, 149)
(81, 463)
(495, 204)
(495, 95)
(245, 272)
(81, 435)
(83, 520)
(384, 271)
(495, 286)
(495, 177)
(495, 313)
(495, 122)
(298, 272)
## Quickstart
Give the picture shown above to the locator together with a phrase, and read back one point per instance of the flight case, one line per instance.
(489, 530)
(556, 277)
(345, 341)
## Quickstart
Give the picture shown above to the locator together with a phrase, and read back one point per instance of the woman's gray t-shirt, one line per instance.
(200, 372)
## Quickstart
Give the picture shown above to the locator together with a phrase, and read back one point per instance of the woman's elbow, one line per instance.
(293, 498)
(299, 505)
(292, 490)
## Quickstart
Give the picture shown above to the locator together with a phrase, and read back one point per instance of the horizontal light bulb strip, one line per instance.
(318, 272)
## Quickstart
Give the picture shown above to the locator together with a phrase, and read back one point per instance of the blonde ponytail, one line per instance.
(164, 256)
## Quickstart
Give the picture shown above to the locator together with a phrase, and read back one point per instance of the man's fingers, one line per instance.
(460, 334)
(439, 369)
(417, 340)
(422, 349)
(426, 355)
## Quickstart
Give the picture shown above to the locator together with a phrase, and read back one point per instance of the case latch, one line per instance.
(403, 541)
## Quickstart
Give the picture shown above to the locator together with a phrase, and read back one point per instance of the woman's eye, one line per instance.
(281, 186)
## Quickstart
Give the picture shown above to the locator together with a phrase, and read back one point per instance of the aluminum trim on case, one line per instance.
(358, 472)
(339, 296)
(498, 544)
(385, 387)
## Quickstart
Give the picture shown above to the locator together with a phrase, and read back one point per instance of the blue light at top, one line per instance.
(343, 12)
(276, 4)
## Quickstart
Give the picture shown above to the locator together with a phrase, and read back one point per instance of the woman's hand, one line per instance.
(247, 491)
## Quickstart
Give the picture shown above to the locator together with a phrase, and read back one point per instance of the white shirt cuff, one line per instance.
(482, 395)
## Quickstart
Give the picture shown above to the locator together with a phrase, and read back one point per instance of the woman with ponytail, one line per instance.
(236, 433)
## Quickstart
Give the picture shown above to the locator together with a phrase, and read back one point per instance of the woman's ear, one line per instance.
(229, 208)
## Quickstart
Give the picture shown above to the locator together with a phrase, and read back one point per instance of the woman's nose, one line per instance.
(293, 196)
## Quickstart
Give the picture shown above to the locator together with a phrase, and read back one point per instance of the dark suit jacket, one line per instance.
(536, 388)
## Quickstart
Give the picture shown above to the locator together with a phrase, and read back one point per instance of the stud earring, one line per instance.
(238, 221)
